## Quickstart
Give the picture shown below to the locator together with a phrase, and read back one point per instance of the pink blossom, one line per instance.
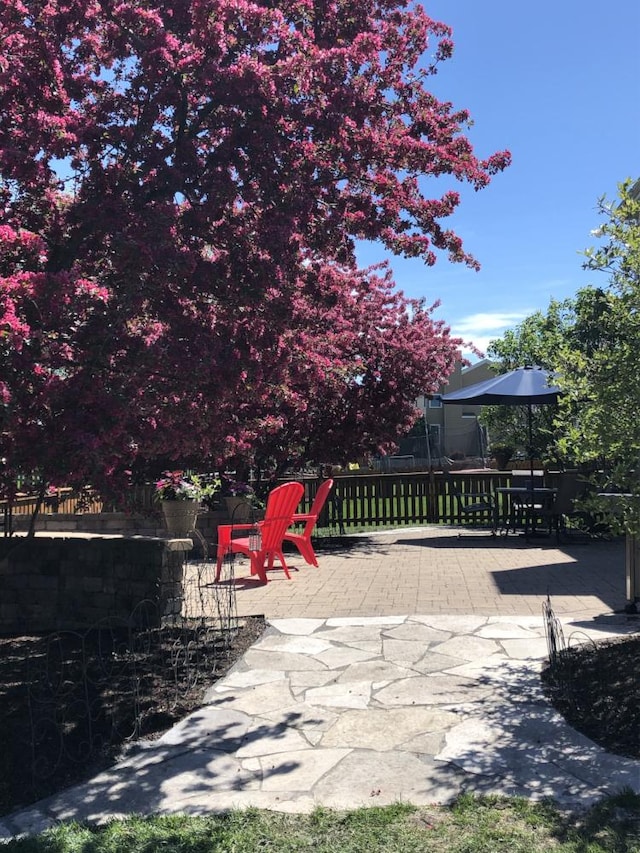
(185, 284)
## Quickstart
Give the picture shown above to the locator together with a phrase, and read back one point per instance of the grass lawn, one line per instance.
(472, 825)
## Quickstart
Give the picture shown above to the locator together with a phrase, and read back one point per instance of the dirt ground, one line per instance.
(46, 687)
(596, 687)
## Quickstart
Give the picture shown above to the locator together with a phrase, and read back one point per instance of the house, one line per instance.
(454, 431)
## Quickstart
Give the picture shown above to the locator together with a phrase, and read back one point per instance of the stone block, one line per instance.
(43, 582)
(18, 581)
(172, 606)
(102, 601)
(92, 584)
(65, 526)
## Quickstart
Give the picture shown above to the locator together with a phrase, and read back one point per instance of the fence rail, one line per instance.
(362, 500)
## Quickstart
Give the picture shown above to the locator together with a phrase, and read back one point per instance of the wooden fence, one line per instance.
(356, 501)
(383, 500)
(60, 501)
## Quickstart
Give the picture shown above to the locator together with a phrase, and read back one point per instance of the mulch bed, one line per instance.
(48, 741)
(596, 687)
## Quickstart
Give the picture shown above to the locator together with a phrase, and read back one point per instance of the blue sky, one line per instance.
(556, 83)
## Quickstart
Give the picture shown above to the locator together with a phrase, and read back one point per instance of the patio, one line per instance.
(433, 570)
(405, 667)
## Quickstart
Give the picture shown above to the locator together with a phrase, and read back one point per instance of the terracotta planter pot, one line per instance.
(180, 517)
(238, 509)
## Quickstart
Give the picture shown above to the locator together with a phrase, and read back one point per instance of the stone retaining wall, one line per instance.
(117, 522)
(55, 582)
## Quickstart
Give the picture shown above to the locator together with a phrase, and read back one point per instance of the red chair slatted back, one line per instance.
(318, 502)
(281, 505)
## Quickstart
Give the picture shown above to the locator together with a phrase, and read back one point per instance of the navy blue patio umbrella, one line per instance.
(524, 386)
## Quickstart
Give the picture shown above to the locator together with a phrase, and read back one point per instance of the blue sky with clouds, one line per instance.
(556, 83)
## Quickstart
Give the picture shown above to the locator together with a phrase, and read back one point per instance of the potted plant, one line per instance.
(502, 453)
(180, 495)
(240, 498)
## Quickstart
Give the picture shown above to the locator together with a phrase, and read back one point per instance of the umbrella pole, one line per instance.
(530, 417)
(529, 522)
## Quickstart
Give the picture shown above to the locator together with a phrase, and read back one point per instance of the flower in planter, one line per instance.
(235, 489)
(238, 489)
(52, 498)
(179, 486)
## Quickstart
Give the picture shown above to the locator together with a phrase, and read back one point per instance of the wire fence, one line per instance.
(91, 691)
(564, 660)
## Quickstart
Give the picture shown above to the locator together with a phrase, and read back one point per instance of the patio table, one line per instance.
(523, 502)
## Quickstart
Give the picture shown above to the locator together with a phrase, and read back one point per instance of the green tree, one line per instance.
(535, 341)
(599, 361)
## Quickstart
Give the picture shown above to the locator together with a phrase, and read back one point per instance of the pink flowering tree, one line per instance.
(181, 188)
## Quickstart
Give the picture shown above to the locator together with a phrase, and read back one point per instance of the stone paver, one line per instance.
(367, 690)
(436, 571)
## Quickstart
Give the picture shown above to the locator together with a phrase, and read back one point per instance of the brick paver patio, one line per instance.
(436, 571)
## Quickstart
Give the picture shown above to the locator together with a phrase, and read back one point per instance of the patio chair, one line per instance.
(473, 505)
(266, 539)
(302, 541)
(570, 520)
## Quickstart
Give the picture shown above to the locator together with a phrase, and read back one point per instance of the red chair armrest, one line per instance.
(225, 532)
(236, 526)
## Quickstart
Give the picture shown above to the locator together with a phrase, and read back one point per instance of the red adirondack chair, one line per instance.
(267, 544)
(302, 540)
